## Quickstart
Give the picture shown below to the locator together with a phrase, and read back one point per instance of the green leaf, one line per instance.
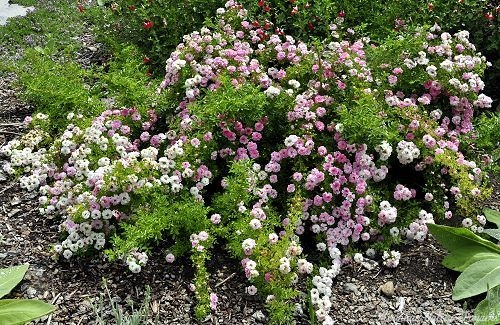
(460, 260)
(10, 277)
(495, 233)
(14, 311)
(464, 246)
(476, 279)
(100, 3)
(39, 49)
(492, 216)
(487, 312)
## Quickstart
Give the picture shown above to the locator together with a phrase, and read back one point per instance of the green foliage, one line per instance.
(226, 203)
(477, 259)
(10, 277)
(476, 278)
(201, 254)
(281, 311)
(159, 214)
(48, 25)
(15, 311)
(125, 79)
(487, 139)
(364, 121)
(487, 312)
(56, 88)
(122, 317)
(245, 103)
(492, 216)
(465, 247)
(170, 20)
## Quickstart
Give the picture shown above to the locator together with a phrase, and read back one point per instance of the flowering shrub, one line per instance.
(352, 146)
(155, 26)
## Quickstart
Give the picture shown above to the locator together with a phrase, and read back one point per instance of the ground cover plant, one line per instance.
(298, 157)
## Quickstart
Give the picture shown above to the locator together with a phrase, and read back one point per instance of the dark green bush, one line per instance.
(156, 26)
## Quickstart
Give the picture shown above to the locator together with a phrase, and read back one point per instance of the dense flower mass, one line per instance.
(279, 140)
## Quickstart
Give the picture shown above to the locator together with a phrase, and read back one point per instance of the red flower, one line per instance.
(256, 24)
(292, 1)
(147, 24)
(131, 8)
(488, 16)
(310, 25)
(260, 3)
(267, 8)
(81, 8)
(430, 6)
(267, 25)
(341, 14)
(146, 60)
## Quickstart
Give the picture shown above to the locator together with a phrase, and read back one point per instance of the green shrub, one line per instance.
(56, 88)
(155, 26)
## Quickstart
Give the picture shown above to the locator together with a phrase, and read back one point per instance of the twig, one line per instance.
(11, 124)
(53, 301)
(373, 277)
(225, 280)
(8, 132)
(7, 188)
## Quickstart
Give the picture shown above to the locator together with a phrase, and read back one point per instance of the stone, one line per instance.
(351, 287)
(259, 316)
(387, 289)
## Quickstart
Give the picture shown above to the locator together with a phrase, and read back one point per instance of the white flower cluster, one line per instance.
(468, 223)
(417, 230)
(304, 267)
(407, 152)
(358, 258)
(294, 249)
(251, 269)
(384, 150)
(136, 260)
(248, 245)
(24, 155)
(284, 265)
(387, 213)
(391, 259)
(272, 92)
(320, 295)
(79, 236)
(291, 140)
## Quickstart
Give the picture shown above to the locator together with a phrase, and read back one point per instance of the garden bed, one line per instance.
(88, 77)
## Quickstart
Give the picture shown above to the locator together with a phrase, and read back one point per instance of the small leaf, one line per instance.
(495, 233)
(10, 277)
(487, 312)
(477, 278)
(492, 216)
(14, 311)
(464, 246)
